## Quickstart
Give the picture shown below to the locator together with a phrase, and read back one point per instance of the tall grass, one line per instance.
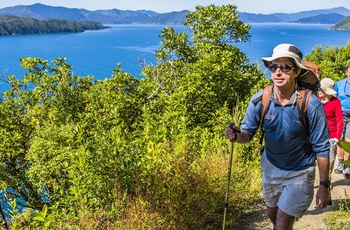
(340, 219)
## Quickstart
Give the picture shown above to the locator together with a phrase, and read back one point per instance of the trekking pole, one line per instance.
(228, 180)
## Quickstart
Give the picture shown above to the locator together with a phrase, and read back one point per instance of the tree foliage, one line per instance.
(205, 71)
(332, 60)
(117, 152)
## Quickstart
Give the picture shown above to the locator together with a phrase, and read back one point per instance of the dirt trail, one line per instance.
(313, 218)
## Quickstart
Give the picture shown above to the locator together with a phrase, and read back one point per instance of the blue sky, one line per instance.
(161, 6)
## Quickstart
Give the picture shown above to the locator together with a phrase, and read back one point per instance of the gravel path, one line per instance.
(313, 218)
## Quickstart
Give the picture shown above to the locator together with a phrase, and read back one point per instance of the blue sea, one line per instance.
(96, 53)
(265, 36)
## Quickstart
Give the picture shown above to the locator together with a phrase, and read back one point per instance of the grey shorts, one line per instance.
(346, 128)
(290, 191)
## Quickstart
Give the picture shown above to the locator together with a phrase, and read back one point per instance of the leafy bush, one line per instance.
(120, 152)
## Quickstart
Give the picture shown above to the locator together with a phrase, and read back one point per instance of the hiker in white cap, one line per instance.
(290, 150)
(332, 107)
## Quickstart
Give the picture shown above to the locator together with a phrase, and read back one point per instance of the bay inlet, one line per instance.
(96, 53)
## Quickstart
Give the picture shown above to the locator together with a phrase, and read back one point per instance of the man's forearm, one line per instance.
(323, 167)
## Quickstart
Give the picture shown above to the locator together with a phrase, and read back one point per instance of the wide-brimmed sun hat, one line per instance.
(287, 51)
(327, 85)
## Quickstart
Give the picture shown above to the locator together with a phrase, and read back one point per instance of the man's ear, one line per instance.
(297, 72)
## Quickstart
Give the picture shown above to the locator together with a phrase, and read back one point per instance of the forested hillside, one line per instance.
(342, 25)
(13, 25)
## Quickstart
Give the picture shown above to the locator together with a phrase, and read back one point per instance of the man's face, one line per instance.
(347, 72)
(283, 72)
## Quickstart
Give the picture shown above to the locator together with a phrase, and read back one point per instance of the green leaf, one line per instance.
(39, 218)
(344, 145)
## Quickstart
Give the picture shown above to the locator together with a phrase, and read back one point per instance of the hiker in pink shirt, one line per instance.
(333, 110)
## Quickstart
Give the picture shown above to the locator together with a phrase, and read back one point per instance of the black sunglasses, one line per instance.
(284, 67)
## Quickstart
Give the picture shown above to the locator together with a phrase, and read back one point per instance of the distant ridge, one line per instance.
(321, 16)
(168, 18)
(115, 16)
(322, 19)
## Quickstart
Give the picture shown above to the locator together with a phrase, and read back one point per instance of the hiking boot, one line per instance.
(339, 169)
(346, 171)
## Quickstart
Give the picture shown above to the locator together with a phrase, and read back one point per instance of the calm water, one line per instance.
(96, 53)
(90, 53)
(266, 36)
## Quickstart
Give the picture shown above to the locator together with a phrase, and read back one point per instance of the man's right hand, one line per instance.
(231, 131)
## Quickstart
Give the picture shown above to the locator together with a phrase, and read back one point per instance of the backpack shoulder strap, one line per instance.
(265, 102)
(303, 101)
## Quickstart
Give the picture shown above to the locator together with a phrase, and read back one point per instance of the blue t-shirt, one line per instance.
(288, 145)
(342, 88)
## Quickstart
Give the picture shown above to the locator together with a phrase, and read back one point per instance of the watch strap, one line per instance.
(325, 183)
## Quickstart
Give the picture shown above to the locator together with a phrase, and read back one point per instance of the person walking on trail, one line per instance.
(290, 151)
(342, 88)
(332, 107)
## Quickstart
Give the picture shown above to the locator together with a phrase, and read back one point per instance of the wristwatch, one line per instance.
(325, 183)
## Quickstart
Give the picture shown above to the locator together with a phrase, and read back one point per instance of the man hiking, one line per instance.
(290, 149)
